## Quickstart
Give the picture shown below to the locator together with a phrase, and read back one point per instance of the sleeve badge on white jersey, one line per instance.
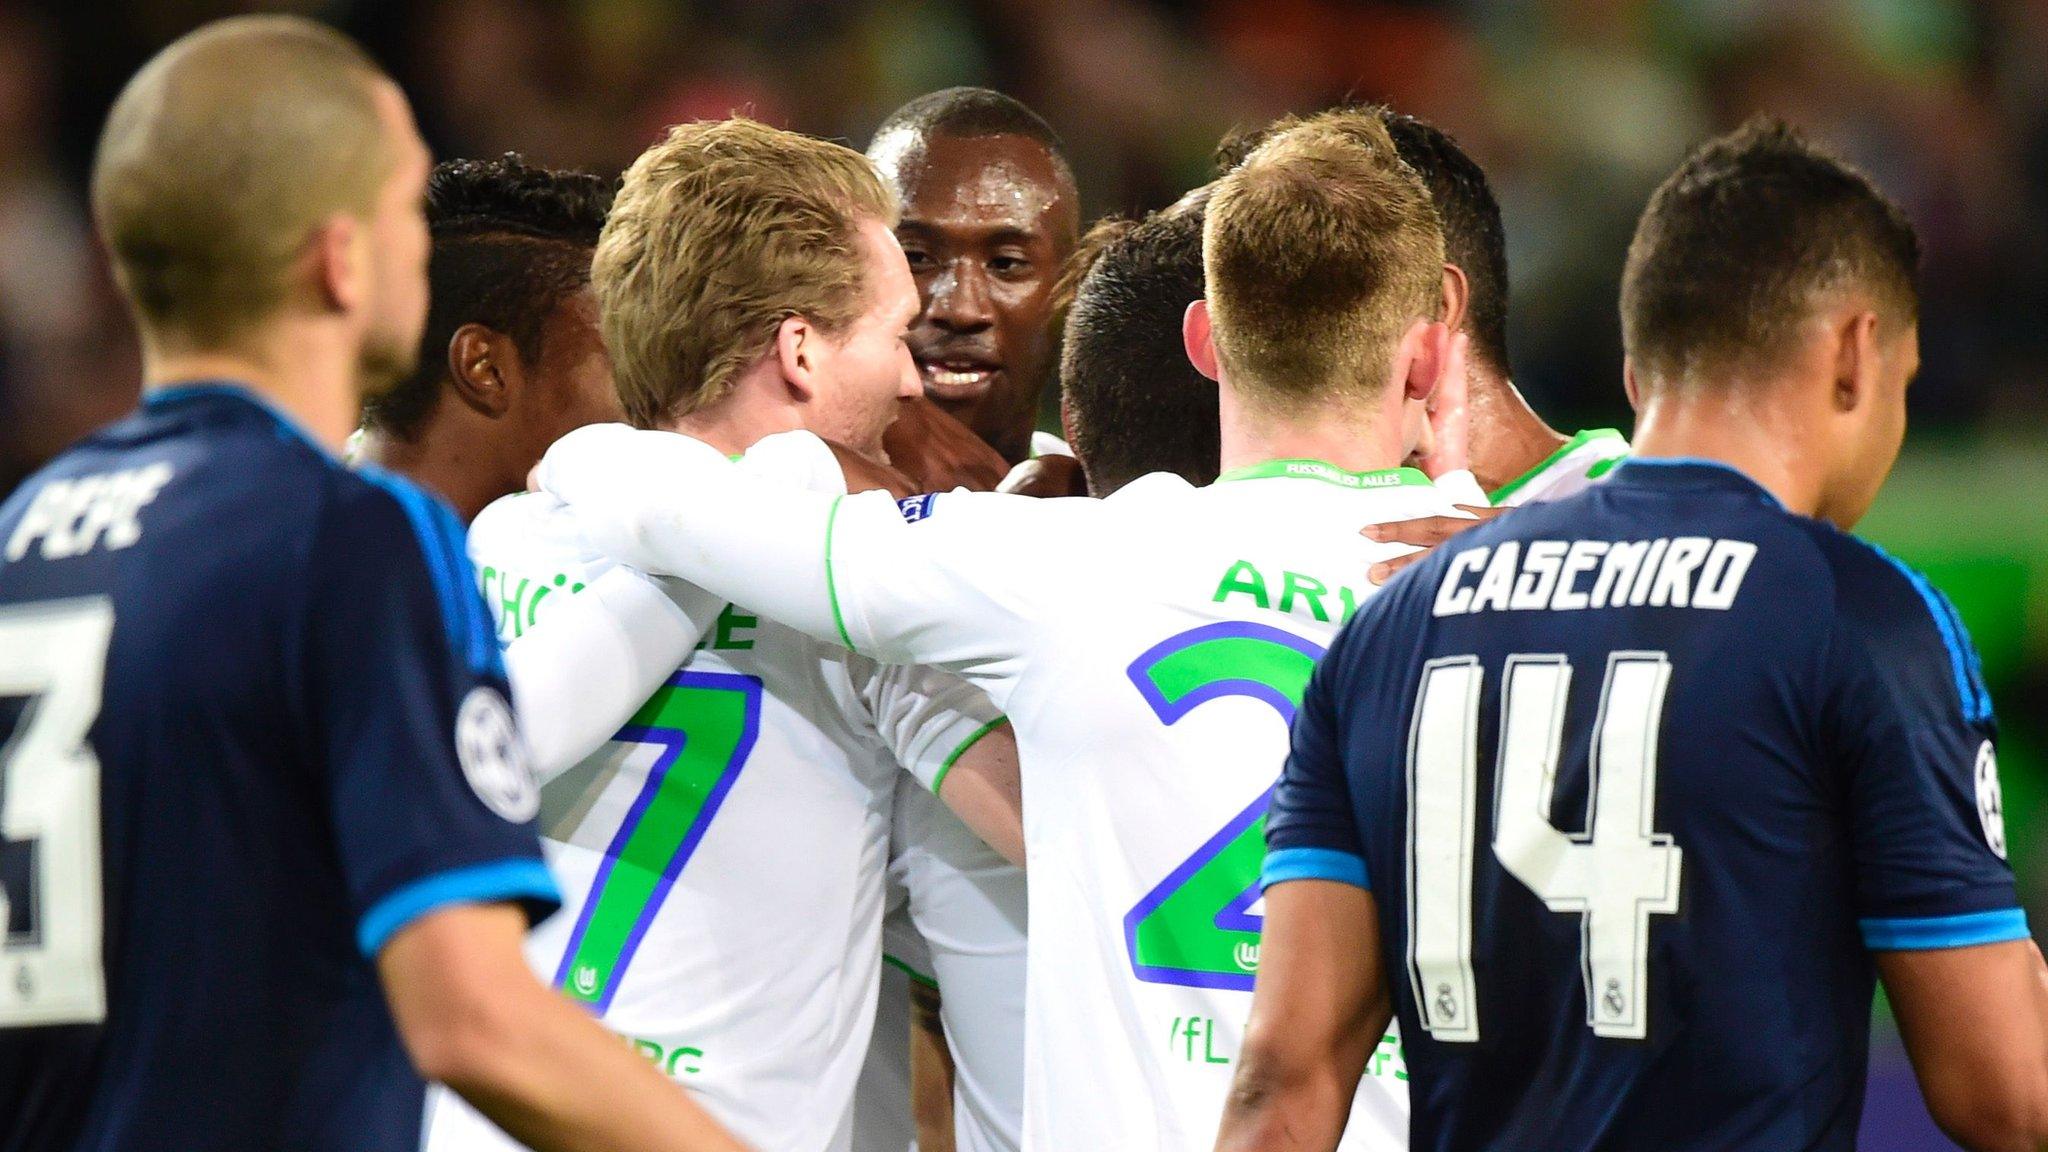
(493, 757)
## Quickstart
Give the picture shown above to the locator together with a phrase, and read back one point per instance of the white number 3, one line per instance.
(54, 656)
(1615, 876)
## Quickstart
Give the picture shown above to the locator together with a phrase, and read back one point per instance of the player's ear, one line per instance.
(484, 367)
(1199, 339)
(1628, 384)
(1858, 367)
(1422, 357)
(340, 261)
(1457, 296)
(799, 349)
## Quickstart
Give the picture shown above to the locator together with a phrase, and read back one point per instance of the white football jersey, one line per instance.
(722, 858)
(954, 922)
(1150, 650)
(1577, 464)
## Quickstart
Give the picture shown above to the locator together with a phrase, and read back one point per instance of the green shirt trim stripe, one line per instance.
(916, 977)
(831, 585)
(973, 738)
(1565, 449)
(1328, 473)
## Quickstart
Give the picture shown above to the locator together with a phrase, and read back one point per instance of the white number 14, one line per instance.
(1615, 876)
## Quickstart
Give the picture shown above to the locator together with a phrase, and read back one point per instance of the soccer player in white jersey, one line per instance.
(1516, 456)
(990, 214)
(1149, 647)
(722, 857)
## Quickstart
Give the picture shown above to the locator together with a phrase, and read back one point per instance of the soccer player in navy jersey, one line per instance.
(1622, 803)
(266, 826)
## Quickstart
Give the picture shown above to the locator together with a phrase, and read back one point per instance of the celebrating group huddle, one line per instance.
(1380, 768)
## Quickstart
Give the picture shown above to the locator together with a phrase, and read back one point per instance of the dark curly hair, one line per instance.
(511, 241)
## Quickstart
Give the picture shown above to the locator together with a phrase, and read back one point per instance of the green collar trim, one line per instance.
(1563, 450)
(1327, 473)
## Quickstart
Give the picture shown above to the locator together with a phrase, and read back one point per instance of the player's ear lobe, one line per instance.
(1628, 384)
(797, 349)
(1457, 296)
(1199, 338)
(1857, 364)
(1421, 358)
(338, 269)
(483, 366)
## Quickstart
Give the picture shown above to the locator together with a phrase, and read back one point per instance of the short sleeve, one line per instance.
(1910, 725)
(1311, 826)
(429, 790)
(927, 718)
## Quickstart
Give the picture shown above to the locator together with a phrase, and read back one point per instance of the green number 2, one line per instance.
(1195, 928)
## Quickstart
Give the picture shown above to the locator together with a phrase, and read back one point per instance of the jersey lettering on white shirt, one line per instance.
(723, 856)
(1150, 704)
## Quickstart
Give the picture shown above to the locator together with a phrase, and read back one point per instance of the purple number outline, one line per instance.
(671, 741)
(1234, 915)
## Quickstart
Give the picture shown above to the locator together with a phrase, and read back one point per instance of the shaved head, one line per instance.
(220, 159)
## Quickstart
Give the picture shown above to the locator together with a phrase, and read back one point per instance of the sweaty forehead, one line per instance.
(984, 181)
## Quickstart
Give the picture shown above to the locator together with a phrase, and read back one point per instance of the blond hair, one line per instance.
(1320, 250)
(719, 233)
(220, 158)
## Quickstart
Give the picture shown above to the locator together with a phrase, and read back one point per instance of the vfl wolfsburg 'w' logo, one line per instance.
(1196, 928)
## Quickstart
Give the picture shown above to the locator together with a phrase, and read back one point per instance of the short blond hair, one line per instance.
(1320, 250)
(220, 158)
(719, 233)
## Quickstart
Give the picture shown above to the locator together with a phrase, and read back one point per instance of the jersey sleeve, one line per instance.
(425, 775)
(583, 654)
(1311, 825)
(1909, 722)
(927, 718)
(954, 580)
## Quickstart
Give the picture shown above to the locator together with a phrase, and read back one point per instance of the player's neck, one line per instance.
(1344, 435)
(1508, 437)
(755, 409)
(1732, 427)
(439, 460)
(305, 378)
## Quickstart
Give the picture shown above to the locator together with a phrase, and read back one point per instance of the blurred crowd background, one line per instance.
(1576, 108)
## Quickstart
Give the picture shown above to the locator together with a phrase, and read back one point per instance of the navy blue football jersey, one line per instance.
(1639, 780)
(253, 721)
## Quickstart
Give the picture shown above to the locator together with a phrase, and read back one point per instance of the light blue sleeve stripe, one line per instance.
(462, 609)
(1913, 934)
(1313, 864)
(514, 878)
(1962, 655)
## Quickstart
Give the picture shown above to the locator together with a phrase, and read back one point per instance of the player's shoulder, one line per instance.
(528, 526)
(1897, 620)
(799, 458)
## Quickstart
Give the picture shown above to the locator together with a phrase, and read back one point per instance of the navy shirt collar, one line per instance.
(232, 391)
(1688, 473)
